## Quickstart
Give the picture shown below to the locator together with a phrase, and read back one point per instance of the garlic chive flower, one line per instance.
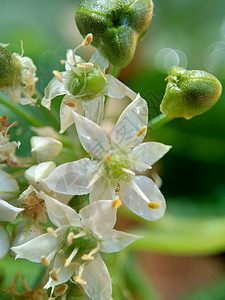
(85, 86)
(110, 174)
(17, 77)
(8, 189)
(72, 250)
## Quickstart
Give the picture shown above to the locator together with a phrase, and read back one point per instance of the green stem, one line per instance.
(159, 121)
(22, 112)
(115, 71)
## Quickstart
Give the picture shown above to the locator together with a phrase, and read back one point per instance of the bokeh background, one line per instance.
(182, 255)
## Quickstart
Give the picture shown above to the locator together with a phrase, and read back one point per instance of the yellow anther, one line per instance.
(79, 280)
(154, 205)
(88, 40)
(58, 75)
(45, 261)
(108, 158)
(62, 62)
(87, 257)
(117, 203)
(70, 237)
(52, 231)
(54, 275)
(67, 262)
(60, 290)
(142, 130)
(85, 67)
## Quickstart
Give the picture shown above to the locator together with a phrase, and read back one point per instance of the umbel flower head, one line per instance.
(17, 77)
(111, 172)
(117, 26)
(72, 250)
(85, 86)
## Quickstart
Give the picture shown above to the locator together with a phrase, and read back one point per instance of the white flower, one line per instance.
(45, 148)
(23, 89)
(73, 247)
(8, 189)
(111, 173)
(7, 148)
(85, 87)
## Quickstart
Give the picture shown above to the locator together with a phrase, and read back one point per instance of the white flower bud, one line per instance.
(45, 148)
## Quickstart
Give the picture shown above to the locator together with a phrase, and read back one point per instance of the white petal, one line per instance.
(99, 217)
(149, 153)
(92, 136)
(64, 273)
(25, 232)
(59, 213)
(8, 186)
(102, 190)
(94, 109)
(135, 202)
(33, 250)
(8, 212)
(117, 89)
(71, 178)
(38, 172)
(96, 275)
(72, 59)
(100, 60)
(66, 117)
(53, 89)
(45, 148)
(131, 121)
(115, 241)
(4, 242)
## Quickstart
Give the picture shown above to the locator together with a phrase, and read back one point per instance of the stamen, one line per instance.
(58, 75)
(117, 203)
(85, 67)
(52, 231)
(60, 290)
(87, 257)
(79, 280)
(108, 158)
(80, 234)
(54, 275)
(75, 70)
(88, 40)
(128, 171)
(70, 237)
(45, 261)
(154, 205)
(142, 130)
(70, 104)
(62, 61)
(70, 258)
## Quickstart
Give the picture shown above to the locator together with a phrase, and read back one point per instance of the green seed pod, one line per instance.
(189, 93)
(89, 80)
(117, 26)
(10, 68)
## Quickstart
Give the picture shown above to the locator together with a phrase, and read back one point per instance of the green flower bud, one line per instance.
(117, 26)
(189, 93)
(89, 80)
(10, 68)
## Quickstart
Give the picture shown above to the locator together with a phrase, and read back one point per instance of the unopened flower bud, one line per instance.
(117, 26)
(90, 82)
(45, 148)
(10, 68)
(189, 93)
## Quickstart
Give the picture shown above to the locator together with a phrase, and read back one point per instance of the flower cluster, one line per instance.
(40, 199)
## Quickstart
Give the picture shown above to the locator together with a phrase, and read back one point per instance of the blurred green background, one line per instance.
(182, 254)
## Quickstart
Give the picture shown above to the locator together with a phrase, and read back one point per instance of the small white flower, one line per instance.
(8, 189)
(72, 249)
(45, 148)
(85, 87)
(111, 173)
(7, 148)
(23, 89)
